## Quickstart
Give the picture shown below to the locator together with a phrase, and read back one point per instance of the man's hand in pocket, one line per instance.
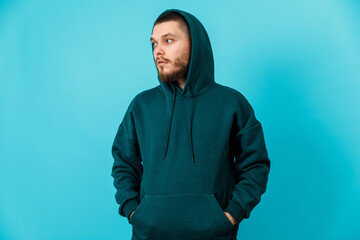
(131, 213)
(232, 220)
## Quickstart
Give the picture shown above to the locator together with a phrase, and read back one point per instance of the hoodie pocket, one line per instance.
(185, 216)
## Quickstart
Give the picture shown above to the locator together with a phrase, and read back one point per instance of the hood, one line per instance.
(200, 74)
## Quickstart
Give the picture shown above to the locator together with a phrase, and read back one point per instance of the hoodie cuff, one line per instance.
(236, 211)
(130, 206)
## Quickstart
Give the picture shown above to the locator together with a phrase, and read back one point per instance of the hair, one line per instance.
(174, 16)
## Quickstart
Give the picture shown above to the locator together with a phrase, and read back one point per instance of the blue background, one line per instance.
(68, 71)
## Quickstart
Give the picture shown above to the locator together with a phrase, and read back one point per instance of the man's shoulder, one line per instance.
(147, 94)
(231, 93)
(236, 100)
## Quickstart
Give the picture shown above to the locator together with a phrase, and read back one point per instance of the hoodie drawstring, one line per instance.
(190, 127)
(168, 137)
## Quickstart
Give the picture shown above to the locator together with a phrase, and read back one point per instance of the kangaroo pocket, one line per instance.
(181, 216)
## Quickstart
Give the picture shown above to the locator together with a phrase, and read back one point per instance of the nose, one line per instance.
(158, 50)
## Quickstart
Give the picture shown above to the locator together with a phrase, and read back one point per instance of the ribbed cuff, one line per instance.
(235, 210)
(130, 206)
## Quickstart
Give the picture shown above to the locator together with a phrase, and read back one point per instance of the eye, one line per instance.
(168, 40)
(153, 44)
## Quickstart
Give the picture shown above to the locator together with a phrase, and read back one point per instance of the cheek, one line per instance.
(178, 55)
(184, 52)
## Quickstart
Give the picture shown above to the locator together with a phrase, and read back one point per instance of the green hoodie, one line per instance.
(183, 157)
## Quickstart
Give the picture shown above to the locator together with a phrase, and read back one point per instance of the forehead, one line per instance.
(171, 27)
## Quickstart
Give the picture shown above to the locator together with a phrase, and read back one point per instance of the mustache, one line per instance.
(161, 59)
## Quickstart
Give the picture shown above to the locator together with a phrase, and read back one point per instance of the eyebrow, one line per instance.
(165, 35)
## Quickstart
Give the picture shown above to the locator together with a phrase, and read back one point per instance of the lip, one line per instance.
(162, 63)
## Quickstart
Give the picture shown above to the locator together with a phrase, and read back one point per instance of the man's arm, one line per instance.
(127, 169)
(252, 164)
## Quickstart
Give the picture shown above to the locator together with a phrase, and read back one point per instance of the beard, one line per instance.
(180, 72)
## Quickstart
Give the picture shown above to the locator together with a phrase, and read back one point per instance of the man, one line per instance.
(190, 160)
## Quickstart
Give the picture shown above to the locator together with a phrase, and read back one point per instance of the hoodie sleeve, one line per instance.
(252, 164)
(127, 168)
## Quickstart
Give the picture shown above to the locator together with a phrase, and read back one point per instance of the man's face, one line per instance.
(171, 52)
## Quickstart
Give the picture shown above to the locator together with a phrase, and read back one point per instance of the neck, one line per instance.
(181, 83)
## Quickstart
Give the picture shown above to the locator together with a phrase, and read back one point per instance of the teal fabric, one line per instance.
(182, 157)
